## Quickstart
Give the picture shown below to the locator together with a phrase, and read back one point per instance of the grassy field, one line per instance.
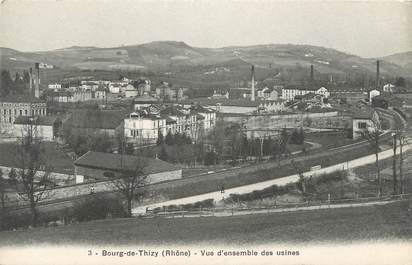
(249, 175)
(391, 221)
(330, 140)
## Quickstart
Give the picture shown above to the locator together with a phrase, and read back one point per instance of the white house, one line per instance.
(373, 93)
(289, 93)
(323, 92)
(365, 121)
(99, 94)
(131, 92)
(268, 93)
(144, 128)
(44, 127)
(69, 96)
(114, 88)
(206, 118)
(144, 101)
(272, 106)
(389, 87)
(55, 86)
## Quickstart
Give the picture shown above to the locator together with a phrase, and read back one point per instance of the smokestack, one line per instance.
(253, 83)
(377, 74)
(37, 87)
(31, 82)
(311, 73)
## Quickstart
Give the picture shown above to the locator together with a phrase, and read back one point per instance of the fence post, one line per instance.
(329, 200)
(200, 211)
(232, 209)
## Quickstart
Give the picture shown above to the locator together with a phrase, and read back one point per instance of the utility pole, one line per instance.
(261, 147)
(401, 139)
(395, 182)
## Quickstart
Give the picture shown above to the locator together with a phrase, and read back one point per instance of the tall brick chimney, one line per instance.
(37, 87)
(253, 84)
(377, 75)
(311, 73)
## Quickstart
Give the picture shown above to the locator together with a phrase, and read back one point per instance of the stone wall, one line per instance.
(324, 120)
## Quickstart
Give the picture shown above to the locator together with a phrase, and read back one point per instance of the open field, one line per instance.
(386, 222)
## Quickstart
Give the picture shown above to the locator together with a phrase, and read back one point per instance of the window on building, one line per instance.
(362, 125)
(25, 112)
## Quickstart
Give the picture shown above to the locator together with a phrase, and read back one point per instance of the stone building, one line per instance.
(93, 165)
(14, 106)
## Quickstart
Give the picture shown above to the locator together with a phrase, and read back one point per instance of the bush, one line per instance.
(210, 158)
(331, 177)
(265, 193)
(98, 207)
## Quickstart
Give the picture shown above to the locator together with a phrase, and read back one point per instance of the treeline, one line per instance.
(231, 143)
(222, 144)
(16, 85)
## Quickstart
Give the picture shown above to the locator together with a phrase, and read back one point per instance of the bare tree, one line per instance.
(3, 197)
(395, 180)
(130, 182)
(400, 137)
(373, 136)
(33, 178)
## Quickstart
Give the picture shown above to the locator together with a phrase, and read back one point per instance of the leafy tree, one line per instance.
(3, 197)
(400, 82)
(129, 149)
(6, 83)
(97, 207)
(283, 141)
(211, 158)
(267, 145)
(26, 77)
(163, 153)
(178, 138)
(169, 140)
(244, 150)
(160, 139)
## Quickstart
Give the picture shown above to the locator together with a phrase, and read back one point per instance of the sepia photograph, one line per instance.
(205, 132)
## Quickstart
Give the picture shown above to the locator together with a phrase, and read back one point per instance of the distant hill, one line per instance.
(172, 56)
(403, 59)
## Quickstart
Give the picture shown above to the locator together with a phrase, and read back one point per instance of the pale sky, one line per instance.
(368, 29)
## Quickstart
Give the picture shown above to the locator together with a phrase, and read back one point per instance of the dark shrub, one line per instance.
(97, 207)
(210, 158)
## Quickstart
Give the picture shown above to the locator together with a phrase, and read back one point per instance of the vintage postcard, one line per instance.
(205, 132)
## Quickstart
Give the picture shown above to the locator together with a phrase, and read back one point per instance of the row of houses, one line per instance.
(144, 124)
